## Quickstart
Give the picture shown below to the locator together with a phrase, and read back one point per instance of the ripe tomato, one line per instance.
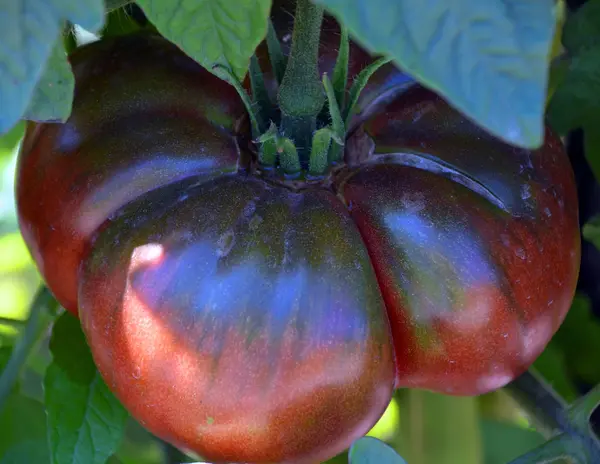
(254, 322)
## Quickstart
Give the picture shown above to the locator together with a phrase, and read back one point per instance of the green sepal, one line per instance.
(267, 155)
(227, 75)
(337, 123)
(259, 93)
(321, 147)
(359, 84)
(340, 72)
(288, 155)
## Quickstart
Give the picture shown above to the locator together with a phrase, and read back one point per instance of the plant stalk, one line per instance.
(301, 96)
(439, 429)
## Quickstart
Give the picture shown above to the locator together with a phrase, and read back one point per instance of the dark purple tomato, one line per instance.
(249, 321)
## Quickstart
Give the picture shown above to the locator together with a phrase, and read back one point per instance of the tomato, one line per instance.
(250, 320)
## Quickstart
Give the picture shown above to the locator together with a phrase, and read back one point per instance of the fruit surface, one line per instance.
(250, 321)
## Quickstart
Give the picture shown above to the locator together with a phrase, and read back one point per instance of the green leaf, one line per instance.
(579, 339)
(23, 437)
(576, 99)
(591, 231)
(139, 446)
(28, 31)
(583, 28)
(488, 58)
(213, 32)
(369, 450)
(53, 95)
(85, 421)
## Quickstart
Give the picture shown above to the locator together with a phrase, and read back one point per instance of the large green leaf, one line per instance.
(53, 95)
(488, 58)
(85, 421)
(29, 30)
(213, 32)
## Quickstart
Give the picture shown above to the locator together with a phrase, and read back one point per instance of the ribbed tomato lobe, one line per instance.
(240, 320)
(475, 244)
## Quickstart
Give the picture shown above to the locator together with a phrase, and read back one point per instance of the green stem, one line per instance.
(439, 429)
(36, 324)
(15, 323)
(301, 93)
(581, 410)
(552, 415)
(540, 400)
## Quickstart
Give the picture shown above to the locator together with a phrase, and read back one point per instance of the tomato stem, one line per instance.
(567, 424)
(301, 95)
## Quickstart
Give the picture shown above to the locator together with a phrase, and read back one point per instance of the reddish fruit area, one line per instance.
(75, 175)
(251, 322)
(475, 244)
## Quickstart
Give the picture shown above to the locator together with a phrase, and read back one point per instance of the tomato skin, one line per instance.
(476, 244)
(249, 330)
(72, 176)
